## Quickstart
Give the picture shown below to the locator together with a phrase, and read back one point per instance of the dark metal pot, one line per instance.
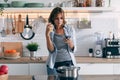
(68, 72)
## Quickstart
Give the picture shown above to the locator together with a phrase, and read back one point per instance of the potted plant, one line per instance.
(32, 47)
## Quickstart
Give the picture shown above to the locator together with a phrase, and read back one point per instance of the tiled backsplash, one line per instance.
(85, 37)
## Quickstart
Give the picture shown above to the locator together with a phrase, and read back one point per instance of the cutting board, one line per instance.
(19, 24)
(13, 45)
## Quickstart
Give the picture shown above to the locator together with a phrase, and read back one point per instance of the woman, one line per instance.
(60, 42)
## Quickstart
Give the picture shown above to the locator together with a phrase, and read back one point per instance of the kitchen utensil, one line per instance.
(27, 33)
(34, 5)
(7, 28)
(18, 3)
(68, 72)
(19, 24)
(13, 28)
(3, 33)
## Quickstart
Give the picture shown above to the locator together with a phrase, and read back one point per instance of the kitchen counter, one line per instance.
(23, 60)
(96, 60)
(86, 77)
(20, 77)
(44, 58)
(81, 77)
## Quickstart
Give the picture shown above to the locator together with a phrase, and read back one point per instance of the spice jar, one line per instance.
(88, 3)
(79, 3)
(99, 3)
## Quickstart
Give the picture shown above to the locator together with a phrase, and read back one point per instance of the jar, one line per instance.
(99, 3)
(107, 3)
(80, 3)
(88, 3)
(91, 52)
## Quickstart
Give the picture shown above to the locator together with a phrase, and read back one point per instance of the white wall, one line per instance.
(103, 23)
(100, 22)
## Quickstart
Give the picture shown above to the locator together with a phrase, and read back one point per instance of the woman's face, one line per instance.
(58, 20)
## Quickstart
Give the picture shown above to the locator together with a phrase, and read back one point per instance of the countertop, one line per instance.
(19, 77)
(96, 60)
(86, 77)
(43, 59)
(81, 77)
(24, 60)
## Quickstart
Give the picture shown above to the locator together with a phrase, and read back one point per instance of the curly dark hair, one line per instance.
(54, 13)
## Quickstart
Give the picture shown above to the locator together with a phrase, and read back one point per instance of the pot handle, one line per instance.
(60, 71)
(78, 68)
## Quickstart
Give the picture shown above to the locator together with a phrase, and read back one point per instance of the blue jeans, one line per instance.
(58, 64)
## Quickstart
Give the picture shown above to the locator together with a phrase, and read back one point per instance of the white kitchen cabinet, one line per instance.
(37, 69)
(95, 68)
(27, 69)
(116, 68)
(18, 69)
(85, 69)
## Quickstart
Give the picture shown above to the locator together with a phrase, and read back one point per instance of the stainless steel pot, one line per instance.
(68, 72)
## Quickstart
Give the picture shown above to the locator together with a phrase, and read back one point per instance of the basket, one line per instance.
(4, 77)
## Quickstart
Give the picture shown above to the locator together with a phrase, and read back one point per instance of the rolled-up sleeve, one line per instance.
(73, 38)
(69, 31)
(52, 36)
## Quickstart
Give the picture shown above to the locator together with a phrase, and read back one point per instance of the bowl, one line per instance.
(4, 77)
(17, 54)
(34, 5)
(4, 5)
(18, 3)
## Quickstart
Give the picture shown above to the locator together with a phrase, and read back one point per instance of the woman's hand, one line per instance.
(69, 42)
(49, 29)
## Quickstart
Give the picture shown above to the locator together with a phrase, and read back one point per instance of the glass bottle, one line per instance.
(109, 3)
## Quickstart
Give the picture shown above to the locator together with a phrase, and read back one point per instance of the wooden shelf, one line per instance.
(66, 9)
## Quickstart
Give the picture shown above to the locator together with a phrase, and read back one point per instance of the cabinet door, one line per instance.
(95, 69)
(38, 69)
(116, 68)
(17, 69)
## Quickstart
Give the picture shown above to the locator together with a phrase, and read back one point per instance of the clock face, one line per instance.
(97, 52)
